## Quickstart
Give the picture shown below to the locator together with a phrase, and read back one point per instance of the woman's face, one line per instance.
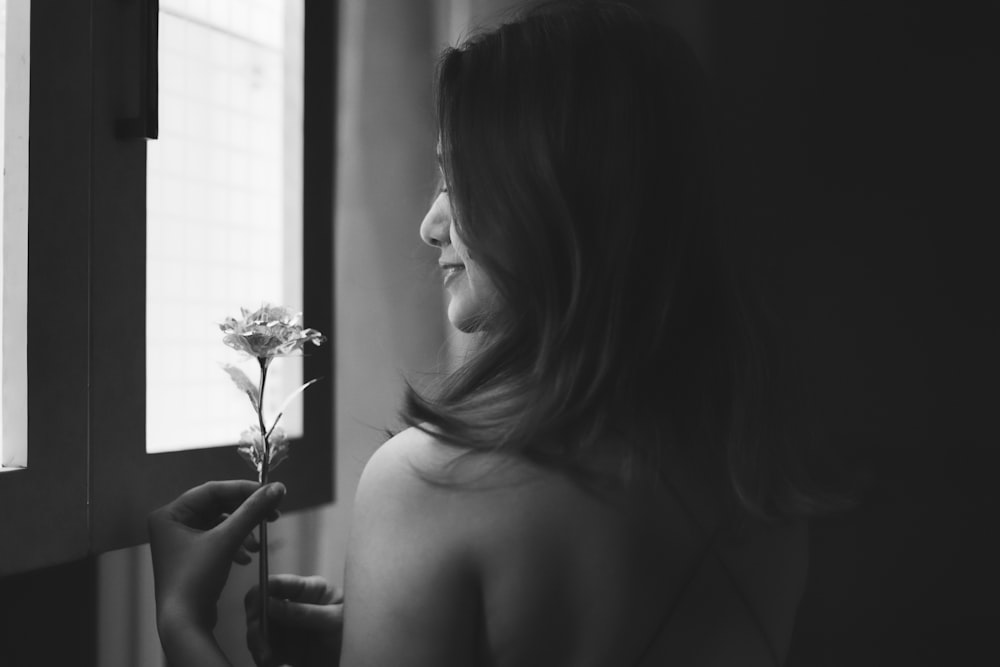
(471, 294)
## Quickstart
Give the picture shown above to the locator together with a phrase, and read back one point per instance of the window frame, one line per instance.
(45, 521)
(126, 482)
(90, 484)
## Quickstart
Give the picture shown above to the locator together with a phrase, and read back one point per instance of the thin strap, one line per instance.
(668, 613)
(750, 610)
(708, 549)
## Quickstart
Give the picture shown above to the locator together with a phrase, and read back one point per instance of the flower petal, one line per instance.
(269, 331)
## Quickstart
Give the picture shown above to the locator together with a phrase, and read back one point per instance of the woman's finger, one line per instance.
(211, 499)
(250, 604)
(242, 557)
(313, 590)
(254, 509)
(305, 616)
(250, 543)
(292, 587)
(259, 649)
(254, 644)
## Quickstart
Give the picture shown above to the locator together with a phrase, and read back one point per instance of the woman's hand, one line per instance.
(306, 620)
(193, 541)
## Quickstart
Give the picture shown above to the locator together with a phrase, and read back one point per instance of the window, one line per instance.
(14, 238)
(224, 210)
(90, 480)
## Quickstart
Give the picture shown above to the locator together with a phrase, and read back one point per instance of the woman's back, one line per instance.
(563, 575)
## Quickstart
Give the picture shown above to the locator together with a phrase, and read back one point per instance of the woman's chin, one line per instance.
(466, 320)
(468, 325)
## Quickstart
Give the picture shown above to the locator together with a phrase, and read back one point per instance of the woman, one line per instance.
(602, 482)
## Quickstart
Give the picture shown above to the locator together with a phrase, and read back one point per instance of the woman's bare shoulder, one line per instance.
(402, 483)
(409, 579)
(478, 496)
(423, 462)
(428, 521)
(416, 466)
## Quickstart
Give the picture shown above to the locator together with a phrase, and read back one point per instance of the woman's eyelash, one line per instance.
(441, 189)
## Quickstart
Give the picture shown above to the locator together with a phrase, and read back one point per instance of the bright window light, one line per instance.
(14, 67)
(224, 211)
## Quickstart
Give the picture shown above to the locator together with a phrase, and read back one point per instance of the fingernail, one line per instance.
(276, 490)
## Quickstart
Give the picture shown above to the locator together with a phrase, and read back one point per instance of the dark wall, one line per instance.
(49, 616)
(855, 136)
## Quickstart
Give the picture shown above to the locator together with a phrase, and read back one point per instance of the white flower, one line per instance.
(251, 448)
(268, 332)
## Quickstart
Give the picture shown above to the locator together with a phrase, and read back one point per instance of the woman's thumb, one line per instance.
(255, 509)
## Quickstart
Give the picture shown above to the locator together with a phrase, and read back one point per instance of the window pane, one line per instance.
(14, 22)
(224, 221)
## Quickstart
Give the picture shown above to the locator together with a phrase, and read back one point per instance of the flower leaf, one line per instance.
(244, 384)
(291, 397)
(279, 452)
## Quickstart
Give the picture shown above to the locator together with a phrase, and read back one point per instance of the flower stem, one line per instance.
(262, 531)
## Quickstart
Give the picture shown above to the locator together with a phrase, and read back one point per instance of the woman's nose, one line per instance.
(435, 227)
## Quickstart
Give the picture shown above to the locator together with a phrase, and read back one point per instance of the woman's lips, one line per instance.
(451, 271)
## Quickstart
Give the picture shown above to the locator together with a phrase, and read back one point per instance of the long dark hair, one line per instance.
(576, 150)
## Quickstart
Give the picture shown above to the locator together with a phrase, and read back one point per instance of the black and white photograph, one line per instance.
(498, 333)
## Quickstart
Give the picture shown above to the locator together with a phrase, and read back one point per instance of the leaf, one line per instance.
(244, 384)
(291, 397)
(279, 452)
